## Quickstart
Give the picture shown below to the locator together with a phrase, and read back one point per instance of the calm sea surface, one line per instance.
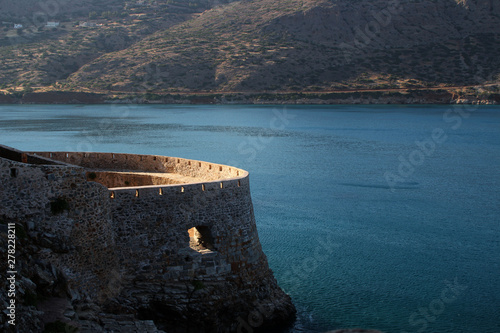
(383, 217)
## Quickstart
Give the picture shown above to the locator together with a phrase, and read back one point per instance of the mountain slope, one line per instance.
(37, 55)
(255, 46)
(313, 44)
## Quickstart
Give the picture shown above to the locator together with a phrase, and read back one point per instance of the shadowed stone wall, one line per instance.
(56, 201)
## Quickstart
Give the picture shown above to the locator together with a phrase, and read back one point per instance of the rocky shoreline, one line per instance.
(478, 96)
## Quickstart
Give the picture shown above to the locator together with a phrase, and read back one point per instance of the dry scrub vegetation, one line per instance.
(254, 46)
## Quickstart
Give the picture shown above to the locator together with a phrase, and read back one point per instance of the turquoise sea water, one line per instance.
(384, 217)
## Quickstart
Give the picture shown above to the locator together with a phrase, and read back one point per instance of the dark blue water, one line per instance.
(384, 217)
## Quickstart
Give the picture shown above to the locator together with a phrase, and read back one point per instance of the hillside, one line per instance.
(260, 45)
(41, 56)
(265, 45)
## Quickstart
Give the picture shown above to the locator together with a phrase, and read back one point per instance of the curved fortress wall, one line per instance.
(151, 222)
(146, 163)
(173, 238)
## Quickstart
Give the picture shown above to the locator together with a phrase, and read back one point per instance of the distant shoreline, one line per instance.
(361, 96)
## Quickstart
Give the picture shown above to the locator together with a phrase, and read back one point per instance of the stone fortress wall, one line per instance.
(161, 237)
(79, 239)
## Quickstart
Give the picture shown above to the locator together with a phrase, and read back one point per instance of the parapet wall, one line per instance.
(20, 156)
(147, 163)
(161, 172)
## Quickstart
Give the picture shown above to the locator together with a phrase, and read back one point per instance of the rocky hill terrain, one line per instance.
(37, 54)
(260, 46)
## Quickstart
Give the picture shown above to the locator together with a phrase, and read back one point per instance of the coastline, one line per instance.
(478, 95)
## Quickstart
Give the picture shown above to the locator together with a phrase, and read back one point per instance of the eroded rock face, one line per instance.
(171, 257)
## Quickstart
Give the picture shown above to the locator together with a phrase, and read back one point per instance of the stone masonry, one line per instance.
(169, 243)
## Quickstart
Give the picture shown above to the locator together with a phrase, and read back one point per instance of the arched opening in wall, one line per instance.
(200, 239)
